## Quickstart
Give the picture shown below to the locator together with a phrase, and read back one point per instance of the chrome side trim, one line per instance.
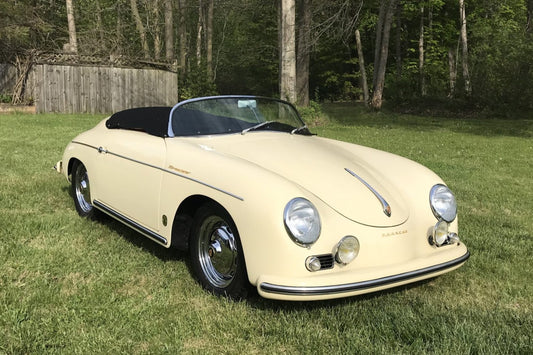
(85, 144)
(363, 285)
(384, 203)
(102, 150)
(130, 223)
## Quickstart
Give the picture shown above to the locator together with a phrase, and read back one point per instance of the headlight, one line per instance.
(347, 250)
(302, 221)
(443, 203)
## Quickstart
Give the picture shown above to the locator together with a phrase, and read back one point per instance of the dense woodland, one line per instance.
(475, 54)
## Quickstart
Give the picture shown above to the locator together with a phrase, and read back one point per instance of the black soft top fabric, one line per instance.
(152, 120)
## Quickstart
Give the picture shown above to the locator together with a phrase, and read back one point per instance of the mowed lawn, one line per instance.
(69, 285)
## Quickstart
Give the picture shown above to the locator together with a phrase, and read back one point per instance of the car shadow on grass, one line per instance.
(254, 300)
(133, 237)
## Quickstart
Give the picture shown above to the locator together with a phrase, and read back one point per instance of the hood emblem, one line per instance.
(384, 203)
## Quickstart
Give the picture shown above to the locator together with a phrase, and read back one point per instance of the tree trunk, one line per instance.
(169, 33)
(399, 42)
(156, 31)
(452, 65)
(182, 30)
(379, 38)
(422, 78)
(379, 71)
(529, 18)
(72, 40)
(209, 35)
(303, 53)
(288, 51)
(140, 28)
(464, 59)
(99, 23)
(199, 29)
(364, 83)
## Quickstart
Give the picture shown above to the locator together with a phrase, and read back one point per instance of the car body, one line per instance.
(241, 183)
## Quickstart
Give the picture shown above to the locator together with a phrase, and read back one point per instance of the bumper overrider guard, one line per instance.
(362, 285)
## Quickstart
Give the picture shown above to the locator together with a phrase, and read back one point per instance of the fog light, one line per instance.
(347, 250)
(453, 238)
(440, 233)
(312, 263)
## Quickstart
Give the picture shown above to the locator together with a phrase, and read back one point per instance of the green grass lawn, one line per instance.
(69, 285)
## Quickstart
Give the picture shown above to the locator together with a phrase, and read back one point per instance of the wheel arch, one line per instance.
(70, 165)
(184, 216)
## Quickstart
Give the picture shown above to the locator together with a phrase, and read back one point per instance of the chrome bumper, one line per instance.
(362, 285)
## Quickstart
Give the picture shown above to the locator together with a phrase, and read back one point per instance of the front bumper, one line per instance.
(59, 167)
(302, 293)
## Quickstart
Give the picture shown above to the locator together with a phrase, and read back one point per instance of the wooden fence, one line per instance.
(96, 89)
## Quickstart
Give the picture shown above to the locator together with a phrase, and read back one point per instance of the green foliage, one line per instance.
(246, 53)
(247, 50)
(313, 115)
(501, 56)
(197, 83)
(5, 98)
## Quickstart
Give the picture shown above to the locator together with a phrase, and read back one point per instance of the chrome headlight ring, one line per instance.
(442, 202)
(302, 221)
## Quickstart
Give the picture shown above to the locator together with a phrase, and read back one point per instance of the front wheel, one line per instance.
(81, 190)
(216, 253)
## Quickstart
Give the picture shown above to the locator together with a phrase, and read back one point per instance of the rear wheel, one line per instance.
(81, 190)
(216, 253)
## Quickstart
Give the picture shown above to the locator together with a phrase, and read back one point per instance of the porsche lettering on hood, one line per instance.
(368, 196)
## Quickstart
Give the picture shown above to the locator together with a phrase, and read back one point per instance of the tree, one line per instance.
(169, 31)
(362, 69)
(303, 53)
(287, 51)
(72, 46)
(383, 26)
(422, 81)
(140, 28)
(182, 34)
(199, 29)
(209, 38)
(464, 43)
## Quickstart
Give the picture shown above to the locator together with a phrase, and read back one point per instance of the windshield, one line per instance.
(234, 114)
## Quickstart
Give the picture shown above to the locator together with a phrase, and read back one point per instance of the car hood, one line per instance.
(342, 175)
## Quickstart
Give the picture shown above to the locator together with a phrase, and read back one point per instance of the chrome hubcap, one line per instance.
(82, 189)
(217, 252)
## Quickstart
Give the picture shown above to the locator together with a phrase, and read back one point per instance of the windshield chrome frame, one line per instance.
(205, 98)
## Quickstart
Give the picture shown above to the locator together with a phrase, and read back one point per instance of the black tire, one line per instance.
(216, 253)
(81, 191)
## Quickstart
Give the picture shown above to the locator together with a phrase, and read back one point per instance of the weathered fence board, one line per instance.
(89, 89)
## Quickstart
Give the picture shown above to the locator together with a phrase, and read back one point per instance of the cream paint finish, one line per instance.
(253, 176)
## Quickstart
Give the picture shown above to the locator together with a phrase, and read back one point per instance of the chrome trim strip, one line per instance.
(363, 285)
(130, 223)
(102, 150)
(384, 203)
(85, 144)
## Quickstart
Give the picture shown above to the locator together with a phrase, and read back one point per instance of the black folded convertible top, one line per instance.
(152, 120)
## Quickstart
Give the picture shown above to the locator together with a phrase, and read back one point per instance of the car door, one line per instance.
(130, 175)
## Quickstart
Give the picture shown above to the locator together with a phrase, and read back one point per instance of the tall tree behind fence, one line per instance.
(91, 89)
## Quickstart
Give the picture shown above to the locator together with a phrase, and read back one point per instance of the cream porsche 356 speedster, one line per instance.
(257, 199)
